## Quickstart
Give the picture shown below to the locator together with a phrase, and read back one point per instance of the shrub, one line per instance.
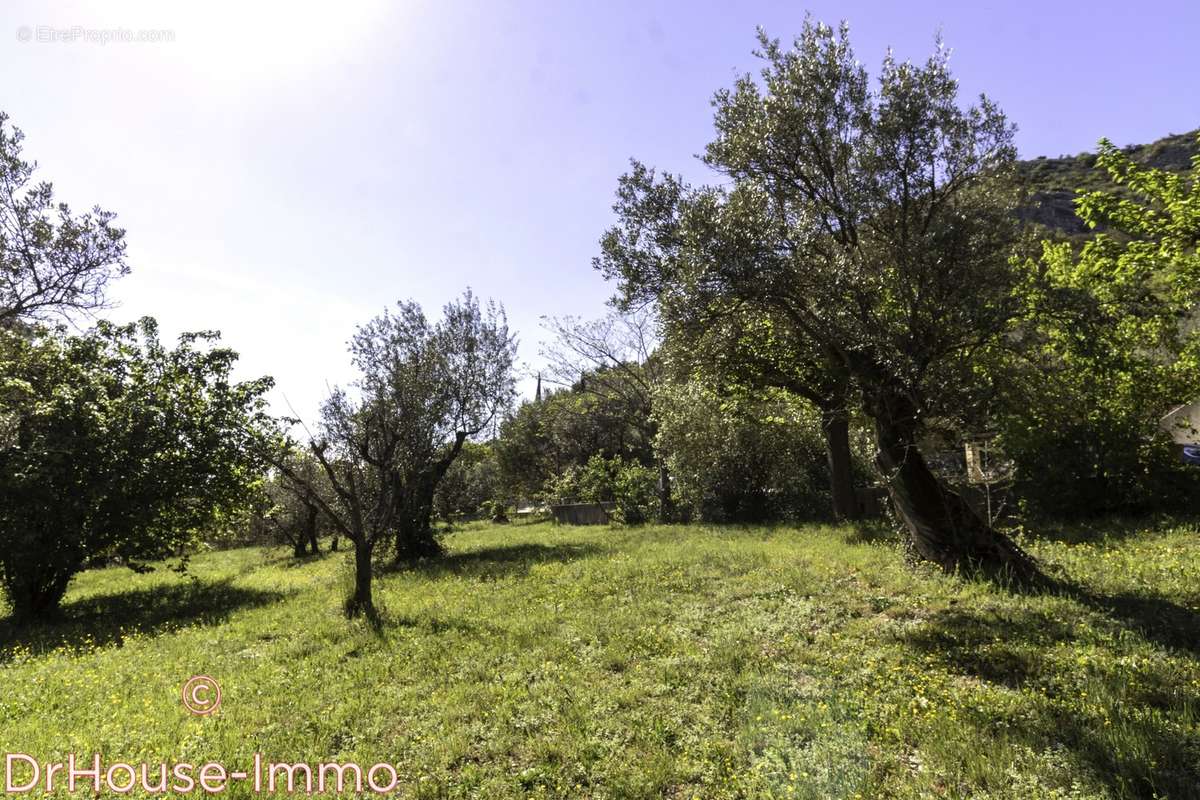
(116, 449)
(628, 484)
(746, 458)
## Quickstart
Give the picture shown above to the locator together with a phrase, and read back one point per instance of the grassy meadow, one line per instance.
(656, 662)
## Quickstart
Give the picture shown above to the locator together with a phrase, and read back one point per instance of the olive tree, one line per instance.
(293, 502)
(878, 223)
(52, 262)
(443, 384)
(356, 446)
(423, 390)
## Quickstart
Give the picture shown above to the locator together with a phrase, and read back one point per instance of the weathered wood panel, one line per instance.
(582, 513)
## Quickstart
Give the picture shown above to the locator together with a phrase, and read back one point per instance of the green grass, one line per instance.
(664, 662)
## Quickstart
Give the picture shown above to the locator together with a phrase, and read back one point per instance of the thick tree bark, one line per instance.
(310, 529)
(361, 602)
(38, 597)
(666, 503)
(835, 424)
(942, 527)
(414, 531)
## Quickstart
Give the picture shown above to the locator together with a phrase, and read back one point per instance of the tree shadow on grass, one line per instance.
(380, 621)
(293, 561)
(1164, 622)
(872, 531)
(1142, 752)
(1105, 530)
(493, 563)
(108, 619)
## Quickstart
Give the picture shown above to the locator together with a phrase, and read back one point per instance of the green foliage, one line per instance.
(115, 447)
(497, 510)
(593, 481)
(52, 262)
(1110, 345)
(875, 220)
(565, 429)
(524, 453)
(470, 483)
(628, 484)
(289, 504)
(635, 491)
(743, 458)
(425, 390)
(681, 661)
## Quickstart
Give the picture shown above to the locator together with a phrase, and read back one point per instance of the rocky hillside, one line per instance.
(1055, 181)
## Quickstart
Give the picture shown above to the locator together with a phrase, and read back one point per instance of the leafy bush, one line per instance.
(567, 427)
(1103, 461)
(115, 448)
(635, 493)
(497, 510)
(628, 484)
(1113, 344)
(470, 483)
(746, 458)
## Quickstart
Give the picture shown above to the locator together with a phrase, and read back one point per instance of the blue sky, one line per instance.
(285, 169)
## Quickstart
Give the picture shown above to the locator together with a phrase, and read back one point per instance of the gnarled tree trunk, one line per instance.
(942, 527)
(36, 593)
(360, 602)
(666, 503)
(310, 529)
(835, 424)
(414, 531)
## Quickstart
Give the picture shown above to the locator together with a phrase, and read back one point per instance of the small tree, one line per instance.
(294, 508)
(115, 447)
(52, 262)
(423, 391)
(442, 384)
(357, 450)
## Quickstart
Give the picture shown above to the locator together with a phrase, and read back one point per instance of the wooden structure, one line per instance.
(582, 513)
